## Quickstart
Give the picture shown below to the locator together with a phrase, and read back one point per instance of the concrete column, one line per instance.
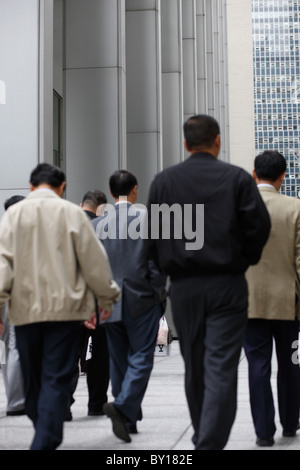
(201, 56)
(212, 70)
(172, 88)
(95, 100)
(143, 79)
(26, 82)
(240, 83)
(210, 58)
(223, 87)
(189, 43)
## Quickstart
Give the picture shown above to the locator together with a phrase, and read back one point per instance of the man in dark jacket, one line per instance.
(220, 230)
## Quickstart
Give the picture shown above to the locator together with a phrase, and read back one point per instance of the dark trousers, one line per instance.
(131, 345)
(47, 353)
(210, 316)
(98, 370)
(259, 338)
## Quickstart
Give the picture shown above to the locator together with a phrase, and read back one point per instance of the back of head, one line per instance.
(200, 131)
(93, 199)
(12, 200)
(121, 183)
(47, 174)
(269, 165)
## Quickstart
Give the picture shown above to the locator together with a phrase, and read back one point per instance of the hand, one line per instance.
(92, 322)
(104, 314)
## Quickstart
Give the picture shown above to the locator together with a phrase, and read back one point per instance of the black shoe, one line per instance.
(68, 415)
(96, 413)
(131, 428)
(16, 413)
(286, 433)
(265, 442)
(118, 422)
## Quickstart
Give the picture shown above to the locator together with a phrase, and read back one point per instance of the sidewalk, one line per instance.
(166, 424)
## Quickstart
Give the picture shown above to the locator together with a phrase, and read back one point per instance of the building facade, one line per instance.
(96, 85)
(276, 34)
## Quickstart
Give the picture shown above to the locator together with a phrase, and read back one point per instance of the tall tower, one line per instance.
(276, 57)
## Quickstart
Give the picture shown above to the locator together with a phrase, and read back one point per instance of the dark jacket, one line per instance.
(141, 283)
(236, 222)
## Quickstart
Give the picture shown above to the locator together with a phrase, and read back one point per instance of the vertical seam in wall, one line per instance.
(38, 80)
(158, 86)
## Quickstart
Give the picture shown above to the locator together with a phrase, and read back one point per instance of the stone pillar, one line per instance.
(201, 56)
(189, 48)
(143, 80)
(95, 123)
(240, 83)
(172, 88)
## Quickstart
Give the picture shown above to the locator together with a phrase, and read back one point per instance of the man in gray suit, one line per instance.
(133, 326)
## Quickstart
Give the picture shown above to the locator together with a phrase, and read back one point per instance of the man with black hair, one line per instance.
(208, 288)
(274, 307)
(133, 326)
(51, 268)
(93, 203)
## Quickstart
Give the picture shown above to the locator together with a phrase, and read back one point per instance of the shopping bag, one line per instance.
(163, 330)
(89, 348)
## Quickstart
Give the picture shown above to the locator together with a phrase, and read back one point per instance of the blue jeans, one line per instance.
(131, 344)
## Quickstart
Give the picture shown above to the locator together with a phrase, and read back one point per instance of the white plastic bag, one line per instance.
(162, 337)
(89, 348)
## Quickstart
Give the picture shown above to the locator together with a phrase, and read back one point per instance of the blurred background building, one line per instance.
(276, 59)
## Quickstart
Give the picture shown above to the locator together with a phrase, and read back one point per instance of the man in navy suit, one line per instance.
(133, 326)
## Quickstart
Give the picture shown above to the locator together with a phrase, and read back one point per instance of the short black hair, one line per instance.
(121, 183)
(12, 200)
(94, 198)
(269, 165)
(200, 130)
(49, 174)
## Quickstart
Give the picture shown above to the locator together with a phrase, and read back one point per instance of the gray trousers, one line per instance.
(11, 368)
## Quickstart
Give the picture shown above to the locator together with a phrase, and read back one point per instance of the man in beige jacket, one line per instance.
(51, 267)
(273, 300)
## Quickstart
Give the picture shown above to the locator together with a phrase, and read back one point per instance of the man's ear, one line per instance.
(254, 175)
(31, 187)
(61, 188)
(282, 177)
(218, 141)
(186, 146)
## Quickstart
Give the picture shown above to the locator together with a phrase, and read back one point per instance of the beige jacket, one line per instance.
(274, 282)
(51, 262)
